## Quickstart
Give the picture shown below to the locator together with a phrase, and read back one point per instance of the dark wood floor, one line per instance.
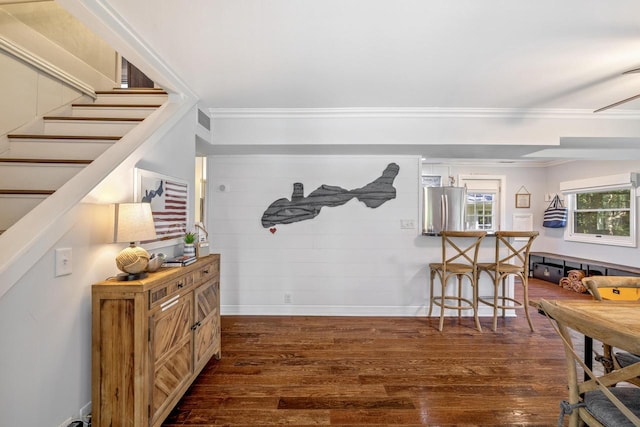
(364, 371)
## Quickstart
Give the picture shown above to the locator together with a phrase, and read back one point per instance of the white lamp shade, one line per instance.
(133, 222)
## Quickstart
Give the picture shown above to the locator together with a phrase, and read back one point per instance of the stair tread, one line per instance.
(95, 119)
(117, 105)
(46, 161)
(57, 145)
(27, 192)
(152, 89)
(132, 92)
(74, 137)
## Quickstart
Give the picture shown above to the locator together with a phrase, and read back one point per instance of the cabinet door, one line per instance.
(170, 333)
(207, 333)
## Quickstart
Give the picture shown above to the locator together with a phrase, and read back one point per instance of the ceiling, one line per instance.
(422, 55)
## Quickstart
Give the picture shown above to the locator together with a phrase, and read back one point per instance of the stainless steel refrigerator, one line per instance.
(444, 209)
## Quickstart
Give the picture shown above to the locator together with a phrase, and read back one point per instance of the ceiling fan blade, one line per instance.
(635, 70)
(615, 104)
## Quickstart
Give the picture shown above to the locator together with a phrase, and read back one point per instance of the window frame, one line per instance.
(601, 239)
(494, 211)
(500, 200)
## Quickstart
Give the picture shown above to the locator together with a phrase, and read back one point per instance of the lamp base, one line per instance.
(125, 277)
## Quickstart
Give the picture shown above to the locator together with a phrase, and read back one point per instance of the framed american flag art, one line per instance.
(169, 198)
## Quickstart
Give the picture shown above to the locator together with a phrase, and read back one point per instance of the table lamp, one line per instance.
(133, 223)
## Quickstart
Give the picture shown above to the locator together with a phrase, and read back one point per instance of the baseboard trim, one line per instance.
(361, 311)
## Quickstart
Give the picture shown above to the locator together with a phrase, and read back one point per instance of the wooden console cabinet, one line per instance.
(150, 339)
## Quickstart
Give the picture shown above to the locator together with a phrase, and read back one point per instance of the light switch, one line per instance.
(63, 261)
(407, 224)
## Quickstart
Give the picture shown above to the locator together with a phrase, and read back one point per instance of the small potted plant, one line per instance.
(189, 244)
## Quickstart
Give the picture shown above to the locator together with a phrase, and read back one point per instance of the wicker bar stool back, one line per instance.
(511, 259)
(459, 260)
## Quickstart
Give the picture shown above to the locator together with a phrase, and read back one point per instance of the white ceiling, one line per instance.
(401, 54)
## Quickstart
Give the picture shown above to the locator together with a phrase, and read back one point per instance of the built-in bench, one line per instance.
(552, 267)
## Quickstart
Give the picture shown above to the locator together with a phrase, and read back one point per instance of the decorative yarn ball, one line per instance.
(132, 260)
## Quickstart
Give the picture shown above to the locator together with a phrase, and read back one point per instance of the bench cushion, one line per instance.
(626, 359)
(605, 411)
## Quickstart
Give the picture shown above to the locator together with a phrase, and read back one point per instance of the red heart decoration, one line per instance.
(272, 230)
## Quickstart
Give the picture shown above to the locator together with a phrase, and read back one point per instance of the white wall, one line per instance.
(533, 178)
(542, 180)
(38, 93)
(352, 260)
(552, 240)
(45, 330)
(54, 28)
(349, 260)
(45, 321)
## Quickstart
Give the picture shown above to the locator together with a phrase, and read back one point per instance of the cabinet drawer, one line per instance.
(205, 273)
(160, 294)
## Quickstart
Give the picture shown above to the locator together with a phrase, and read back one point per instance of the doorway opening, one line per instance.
(132, 77)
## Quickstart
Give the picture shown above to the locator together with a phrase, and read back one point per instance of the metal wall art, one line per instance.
(301, 208)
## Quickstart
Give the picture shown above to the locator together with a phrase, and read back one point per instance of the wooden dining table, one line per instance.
(616, 323)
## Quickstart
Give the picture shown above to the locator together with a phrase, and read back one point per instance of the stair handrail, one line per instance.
(41, 64)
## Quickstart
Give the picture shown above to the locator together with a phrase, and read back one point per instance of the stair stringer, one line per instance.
(26, 241)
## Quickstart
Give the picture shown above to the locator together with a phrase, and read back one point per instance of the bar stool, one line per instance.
(511, 259)
(459, 260)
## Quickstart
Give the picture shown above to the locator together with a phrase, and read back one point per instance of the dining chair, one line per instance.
(594, 402)
(512, 250)
(459, 261)
(610, 359)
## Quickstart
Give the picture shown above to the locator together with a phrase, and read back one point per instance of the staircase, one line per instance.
(36, 165)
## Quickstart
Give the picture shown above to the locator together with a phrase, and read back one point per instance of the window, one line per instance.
(484, 201)
(602, 217)
(604, 214)
(481, 211)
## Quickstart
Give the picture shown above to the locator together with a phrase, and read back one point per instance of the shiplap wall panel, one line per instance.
(349, 260)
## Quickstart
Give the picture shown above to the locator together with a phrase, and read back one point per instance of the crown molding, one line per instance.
(506, 164)
(417, 112)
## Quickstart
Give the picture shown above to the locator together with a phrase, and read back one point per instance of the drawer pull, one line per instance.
(170, 302)
(205, 271)
(180, 285)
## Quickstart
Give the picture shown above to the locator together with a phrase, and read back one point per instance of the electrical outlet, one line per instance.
(287, 298)
(63, 261)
